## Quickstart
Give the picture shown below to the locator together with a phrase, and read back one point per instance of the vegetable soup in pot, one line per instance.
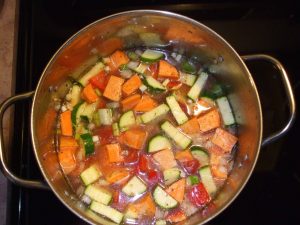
(146, 135)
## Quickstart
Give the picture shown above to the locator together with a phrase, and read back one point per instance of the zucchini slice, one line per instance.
(178, 137)
(155, 113)
(107, 211)
(83, 109)
(187, 78)
(163, 199)
(98, 194)
(90, 175)
(116, 130)
(171, 175)
(208, 180)
(126, 120)
(158, 142)
(153, 84)
(176, 110)
(105, 116)
(201, 155)
(88, 144)
(151, 56)
(196, 89)
(134, 187)
(75, 94)
(226, 111)
(92, 72)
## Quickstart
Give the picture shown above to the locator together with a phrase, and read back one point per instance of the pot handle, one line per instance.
(3, 161)
(288, 90)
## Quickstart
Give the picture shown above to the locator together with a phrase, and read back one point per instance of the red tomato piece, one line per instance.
(191, 166)
(106, 135)
(143, 164)
(176, 216)
(184, 107)
(132, 156)
(198, 195)
(173, 83)
(153, 175)
(153, 69)
(100, 80)
(116, 197)
(102, 103)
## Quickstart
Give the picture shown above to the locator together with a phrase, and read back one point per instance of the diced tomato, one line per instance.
(132, 156)
(153, 176)
(119, 202)
(184, 107)
(106, 134)
(100, 80)
(143, 164)
(153, 70)
(116, 197)
(174, 83)
(191, 166)
(176, 216)
(198, 195)
(101, 103)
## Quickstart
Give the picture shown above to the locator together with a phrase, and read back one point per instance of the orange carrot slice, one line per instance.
(113, 88)
(166, 70)
(114, 153)
(145, 104)
(176, 190)
(89, 94)
(130, 102)
(131, 85)
(66, 123)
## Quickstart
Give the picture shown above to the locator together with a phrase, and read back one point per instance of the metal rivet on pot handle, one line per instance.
(3, 162)
(288, 90)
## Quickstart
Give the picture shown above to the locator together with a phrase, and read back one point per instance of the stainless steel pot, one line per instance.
(198, 39)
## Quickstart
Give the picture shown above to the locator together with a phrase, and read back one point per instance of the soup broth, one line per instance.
(146, 136)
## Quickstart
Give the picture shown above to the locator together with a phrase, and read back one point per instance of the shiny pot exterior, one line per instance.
(198, 40)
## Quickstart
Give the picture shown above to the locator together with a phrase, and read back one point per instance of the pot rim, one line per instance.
(162, 13)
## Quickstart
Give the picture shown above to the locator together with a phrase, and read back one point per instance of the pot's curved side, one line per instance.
(195, 37)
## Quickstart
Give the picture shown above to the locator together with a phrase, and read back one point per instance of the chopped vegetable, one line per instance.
(191, 126)
(166, 70)
(98, 194)
(145, 104)
(134, 138)
(196, 89)
(117, 176)
(226, 111)
(134, 187)
(165, 159)
(171, 175)
(107, 211)
(209, 121)
(151, 56)
(163, 199)
(224, 140)
(192, 180)
(66, 123)
(184, 155)
(176, 216)
(191, 166)
(207, 180)
(88, 93)
(87, 143)
(201, 155)
(90, 175)
(178, 137)
(177, 189)
(144, 206)
(91, 73)
(158, 142)
(177, 112)
(117, 59)
(198, 195)
(114, 153)
(67, 160)
(127, 120)
(155, 113)
(130, 102)
(105, 116)
(100, 80)
(113, 89)
(66, 142)
(131, 85)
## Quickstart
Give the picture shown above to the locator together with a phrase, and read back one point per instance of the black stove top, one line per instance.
(271, 196)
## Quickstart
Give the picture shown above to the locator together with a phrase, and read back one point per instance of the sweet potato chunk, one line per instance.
(209, 121)
(113, 88)
(224, 140)
(165, 159)
(166, 70)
